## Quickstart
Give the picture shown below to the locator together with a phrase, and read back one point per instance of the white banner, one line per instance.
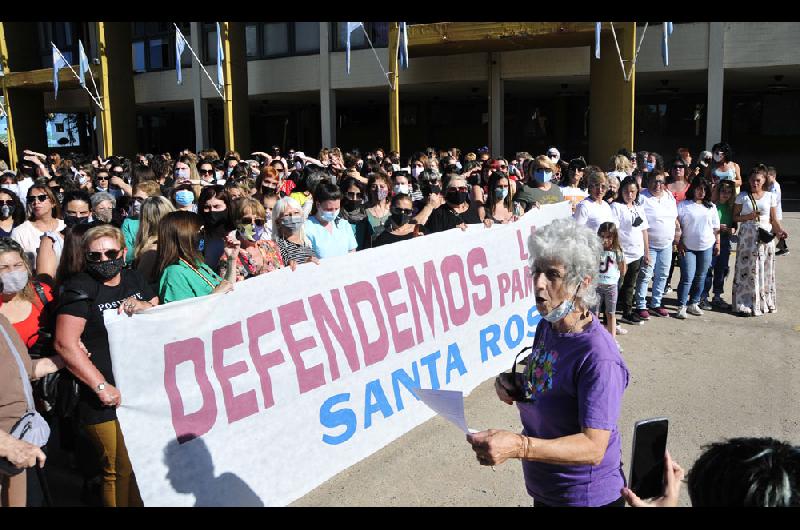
(258, 396)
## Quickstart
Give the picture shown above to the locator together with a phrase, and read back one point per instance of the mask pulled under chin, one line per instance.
(563, 309)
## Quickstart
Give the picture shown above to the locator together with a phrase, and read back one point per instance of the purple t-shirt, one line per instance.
(577, 381)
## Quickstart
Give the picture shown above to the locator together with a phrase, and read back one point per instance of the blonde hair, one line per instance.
(248, 203)
(544, 161)
(153, 210)
(150, 187)
(620, 163)
(104, 230)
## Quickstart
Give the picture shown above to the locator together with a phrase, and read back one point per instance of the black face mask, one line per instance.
(105, 270)
(456, 197)
(400, 218)
(215, 219)
(351, 205)
(268, 191)
(72, 220)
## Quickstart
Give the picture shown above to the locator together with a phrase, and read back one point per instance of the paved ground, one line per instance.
(714, 376)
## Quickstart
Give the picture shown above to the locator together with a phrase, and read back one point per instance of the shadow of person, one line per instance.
(191, 470)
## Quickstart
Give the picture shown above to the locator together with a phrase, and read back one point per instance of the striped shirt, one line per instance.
(292, 251)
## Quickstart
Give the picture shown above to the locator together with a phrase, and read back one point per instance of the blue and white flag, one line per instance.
(220, 58)
(665, 43)
(58, 63)
(180, 45)
(402, 48)
(351, 26)
(83, 64)
(597, 39)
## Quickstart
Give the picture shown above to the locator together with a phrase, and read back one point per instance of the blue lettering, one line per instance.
(533, 319)
(454, 362)
(332, 419)
(520, 333)
(401, 376)
(489, 337)
(374, 389)
(430, 362)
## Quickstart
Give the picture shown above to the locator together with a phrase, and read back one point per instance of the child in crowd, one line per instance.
(612, 267)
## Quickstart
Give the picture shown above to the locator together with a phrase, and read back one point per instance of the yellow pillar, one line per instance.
(105, 98)
(611, 99)
(394, 92)
(236, 105)
(230, 139)
(12, 148)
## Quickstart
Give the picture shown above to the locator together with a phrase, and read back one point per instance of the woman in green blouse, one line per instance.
(181, 269)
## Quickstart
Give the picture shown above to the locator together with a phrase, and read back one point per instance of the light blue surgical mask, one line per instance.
(501, 193)
(650, 166)
(542, 176)
(184, 197)
(329, 217)
(563, 309)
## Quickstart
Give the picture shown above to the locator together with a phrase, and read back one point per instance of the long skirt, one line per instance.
(754, 280)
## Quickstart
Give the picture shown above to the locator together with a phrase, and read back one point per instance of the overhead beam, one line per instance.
(43, 78)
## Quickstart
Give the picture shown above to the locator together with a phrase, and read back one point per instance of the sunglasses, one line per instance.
(7, 202)
(462, 188)
(205, 171)
(659, 181)
(102, 178)
(95, 257)
(406, 211)
(40, 198)
(353, 195)
(252, 220)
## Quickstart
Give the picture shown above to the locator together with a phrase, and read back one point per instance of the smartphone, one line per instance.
(647, 463)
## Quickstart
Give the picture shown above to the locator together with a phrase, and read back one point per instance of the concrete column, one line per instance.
(611, 98)
(237, 106)
(496, 108)
(117, 88)
(716, 82)
(327, 96)
(200, 106)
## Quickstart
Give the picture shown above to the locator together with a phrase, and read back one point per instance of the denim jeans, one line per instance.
(694, 266)
(719, 268)
(660, 259)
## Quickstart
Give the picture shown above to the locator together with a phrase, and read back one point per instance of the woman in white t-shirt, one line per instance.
(43, 219)
(661, 212)
(754, 286)
(699, 242)
(594, 211)
(632, 226)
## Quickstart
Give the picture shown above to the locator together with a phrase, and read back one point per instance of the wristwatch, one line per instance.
(100, 387)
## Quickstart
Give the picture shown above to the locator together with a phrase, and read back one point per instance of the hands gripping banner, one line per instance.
(258, 396)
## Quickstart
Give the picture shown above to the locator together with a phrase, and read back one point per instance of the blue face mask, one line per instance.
(501, 193)
(542, 176)
(563, 309)
(329, 217)
(650, 166)
(184, 197)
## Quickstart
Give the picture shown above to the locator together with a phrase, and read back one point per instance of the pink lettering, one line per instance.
(453, 265)
(477, 256)
(425, 297)
(528, 280)
(259, 325)
(364, 292)
(189, 426)
(516, 286)
(243, 405)
(307, 378)
(503, 285)
(341, 330)
(523, 253)
(402, 339)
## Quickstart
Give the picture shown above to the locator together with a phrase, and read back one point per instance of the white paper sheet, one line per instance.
(447, 403)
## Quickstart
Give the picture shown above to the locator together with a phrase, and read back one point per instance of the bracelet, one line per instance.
(524, 449)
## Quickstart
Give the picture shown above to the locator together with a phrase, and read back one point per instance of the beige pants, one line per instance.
(119, 482)
(13, 490)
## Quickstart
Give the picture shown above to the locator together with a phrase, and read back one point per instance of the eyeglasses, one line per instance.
(406, 211)
(40, 198)
(97, 256)
(599, 186)
(252, 220)
(7, 202)
(103, 178)
(503, 167)
(353, 195)
(460, 188)
(205, 171)
(659, 181)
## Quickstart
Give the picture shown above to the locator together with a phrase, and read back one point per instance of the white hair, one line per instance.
(277, 211)
(574, 246)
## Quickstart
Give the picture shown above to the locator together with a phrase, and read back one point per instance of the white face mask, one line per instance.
(15, 281)
(401, 188)
(717, 157)
(415, 171)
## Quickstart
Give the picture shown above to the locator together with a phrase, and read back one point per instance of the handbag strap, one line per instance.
(26, 382)
(755, 204)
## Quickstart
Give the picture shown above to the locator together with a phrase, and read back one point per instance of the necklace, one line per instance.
(197, 272)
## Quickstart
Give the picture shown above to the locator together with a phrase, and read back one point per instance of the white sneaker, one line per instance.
(668, 290)
(681, 313)
(694, 310)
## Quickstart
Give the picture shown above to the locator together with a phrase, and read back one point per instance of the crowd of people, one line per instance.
(82, 236)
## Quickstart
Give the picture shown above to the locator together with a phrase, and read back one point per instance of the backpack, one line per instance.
(59, 391)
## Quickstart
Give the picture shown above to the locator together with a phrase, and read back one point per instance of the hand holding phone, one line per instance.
(649, 453)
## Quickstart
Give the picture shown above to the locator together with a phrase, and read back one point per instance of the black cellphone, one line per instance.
(649, 453)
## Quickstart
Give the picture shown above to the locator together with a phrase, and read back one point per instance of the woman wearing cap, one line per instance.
(754, 285)
(570, 394)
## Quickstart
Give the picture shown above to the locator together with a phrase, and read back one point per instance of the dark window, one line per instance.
(153, 46)
(138, 57)
(251, 36)
(306, 37)
(276, 39)
(64, 35)
(378, 33)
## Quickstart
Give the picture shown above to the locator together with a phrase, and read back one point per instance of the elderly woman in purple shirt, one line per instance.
(570, 393)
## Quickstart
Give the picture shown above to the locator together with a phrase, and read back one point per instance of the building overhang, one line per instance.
(43, 79)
